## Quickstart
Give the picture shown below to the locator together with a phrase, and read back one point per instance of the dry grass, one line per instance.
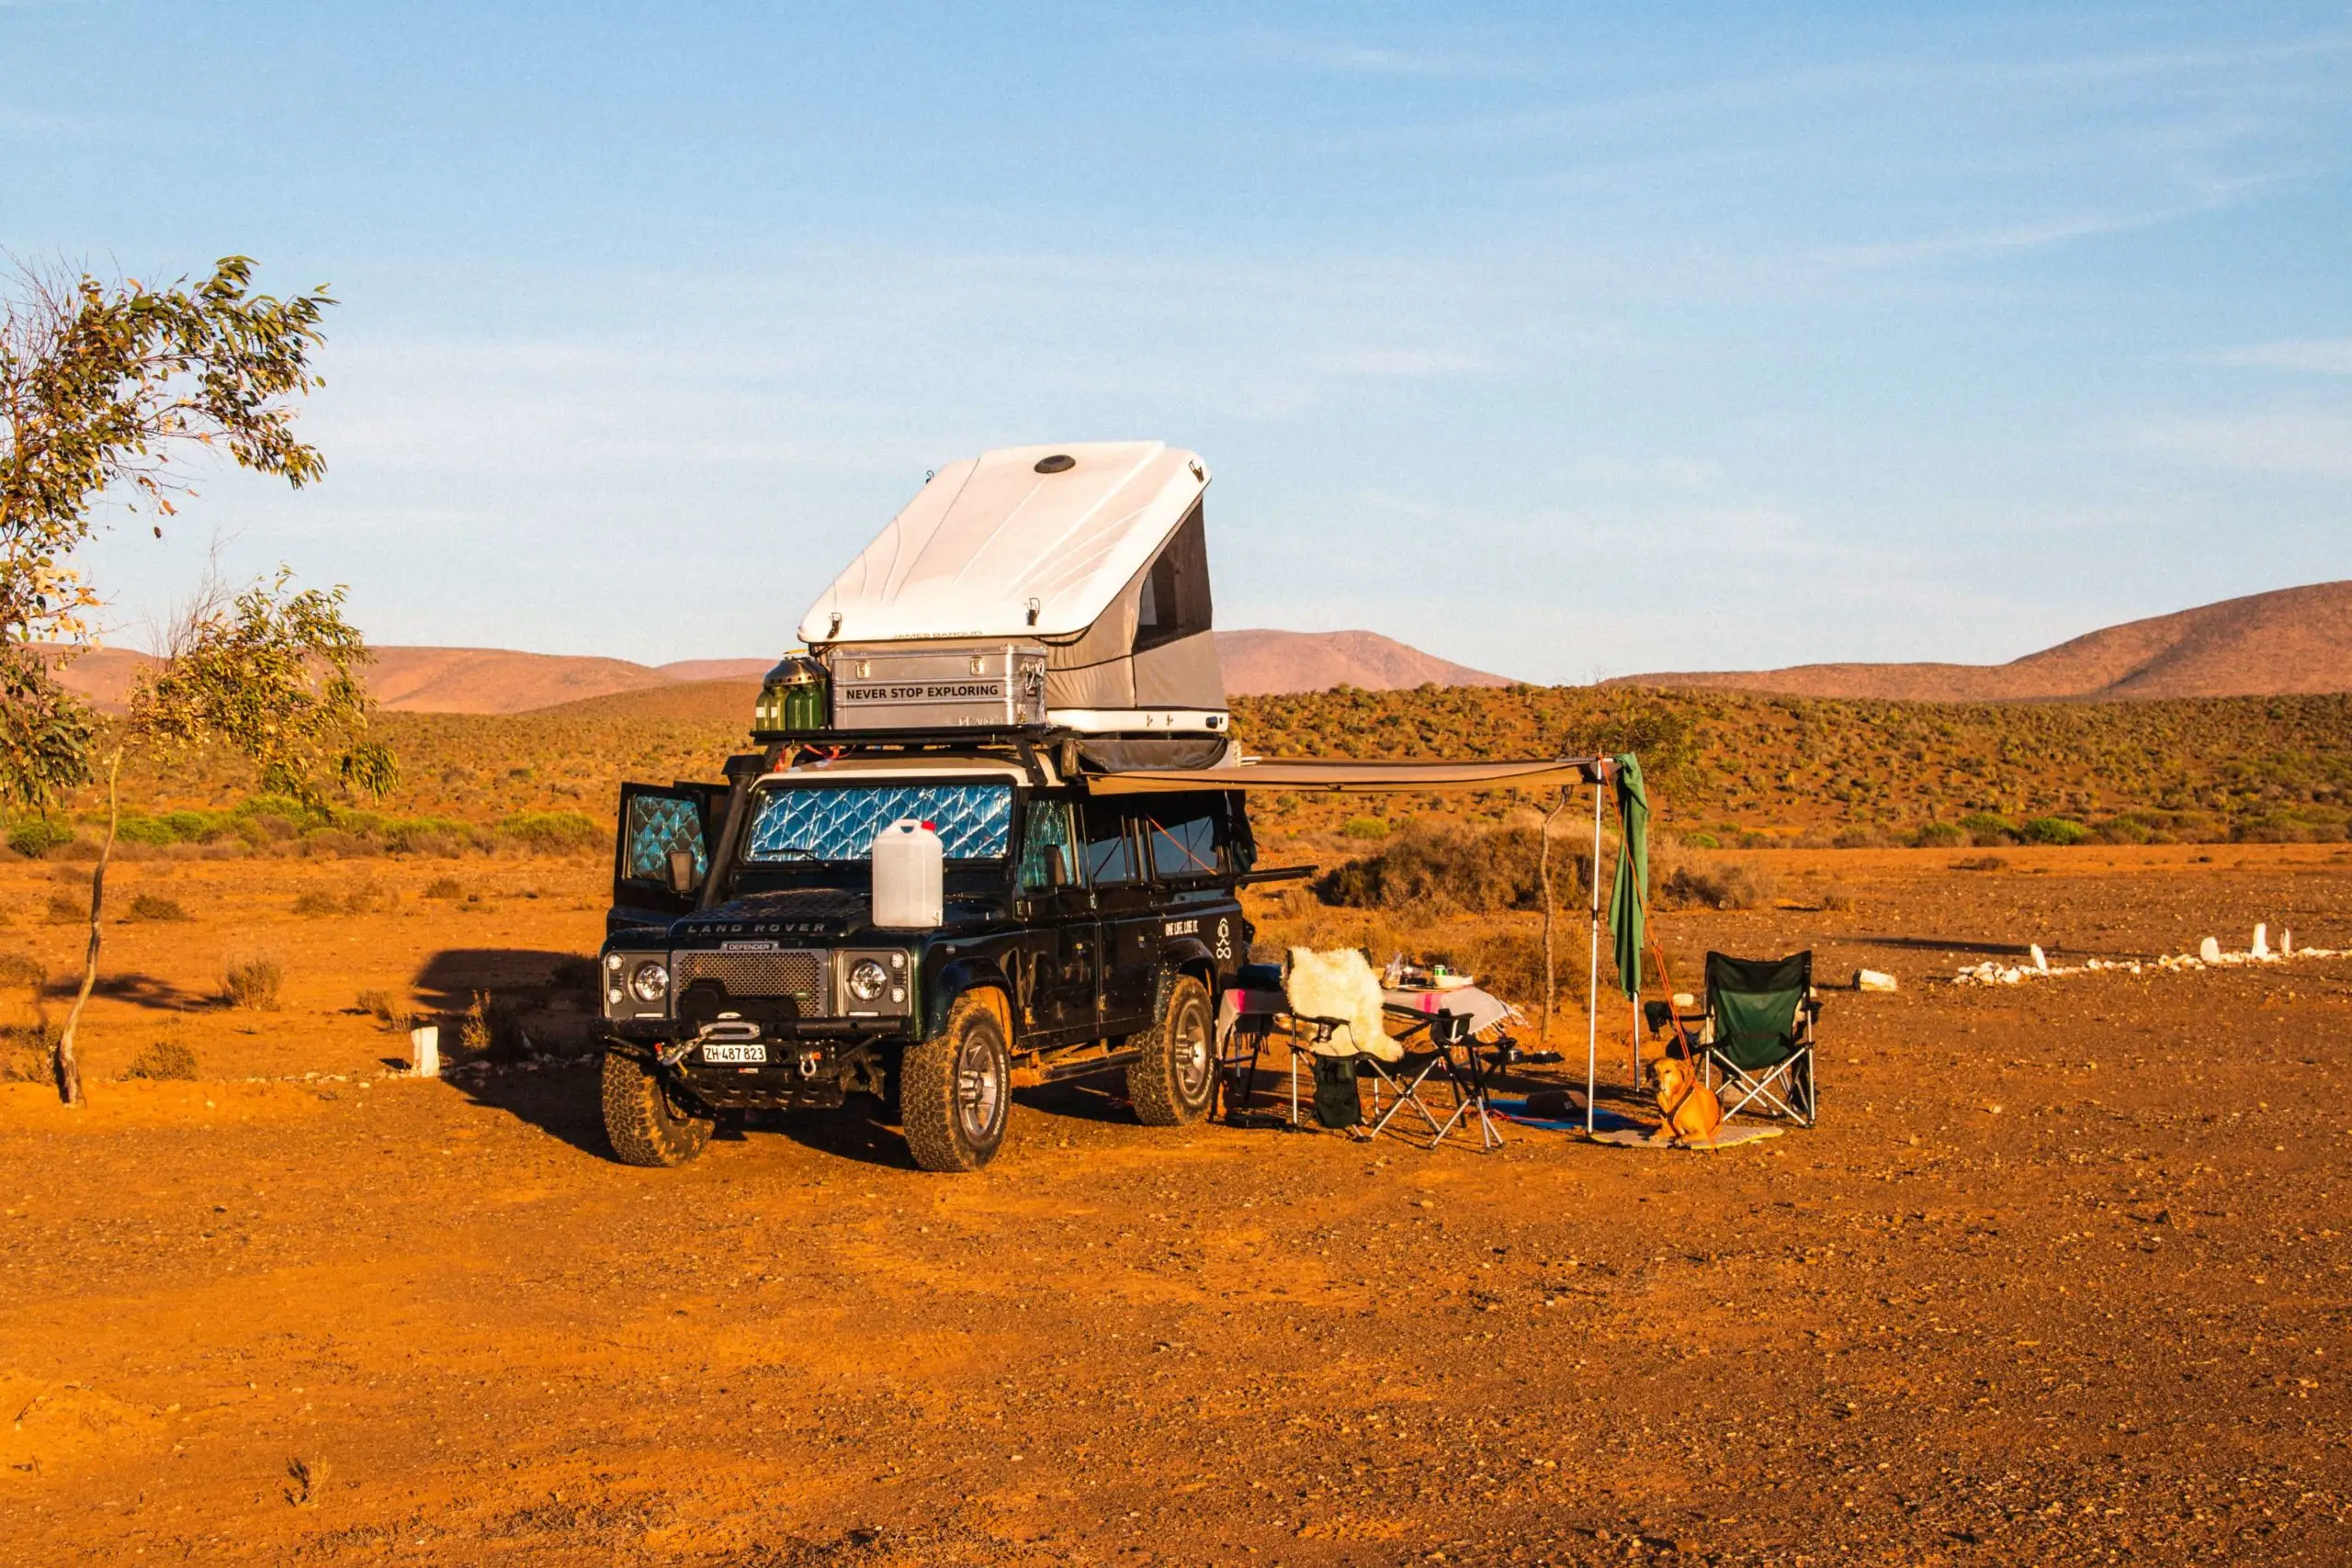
(253, 984)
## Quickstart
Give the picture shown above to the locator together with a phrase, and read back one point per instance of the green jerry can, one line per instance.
(793, 699)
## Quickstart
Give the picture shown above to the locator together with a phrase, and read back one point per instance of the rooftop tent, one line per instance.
(1094, 552)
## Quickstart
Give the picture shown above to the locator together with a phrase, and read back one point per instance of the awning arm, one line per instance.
(1340, 777)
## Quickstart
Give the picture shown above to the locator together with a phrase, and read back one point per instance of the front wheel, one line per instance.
(955, 1092)
(647, 1127)
(1173, 1082)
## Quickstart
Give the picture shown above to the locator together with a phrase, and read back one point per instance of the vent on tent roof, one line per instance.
(1059, 463)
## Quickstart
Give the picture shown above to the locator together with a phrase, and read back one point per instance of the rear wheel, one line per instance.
(1173, 1083)
(955, 1092)
(645, 1126)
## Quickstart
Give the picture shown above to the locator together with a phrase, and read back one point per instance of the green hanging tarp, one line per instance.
(1629, 901)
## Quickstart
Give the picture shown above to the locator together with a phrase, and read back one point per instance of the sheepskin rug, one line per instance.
(1339, 983)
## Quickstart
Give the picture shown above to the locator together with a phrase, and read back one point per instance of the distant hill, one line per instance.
(2289, 642)
(1264, 663)
(493, 680)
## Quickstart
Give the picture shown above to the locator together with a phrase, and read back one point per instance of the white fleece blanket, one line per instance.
(1339, 985)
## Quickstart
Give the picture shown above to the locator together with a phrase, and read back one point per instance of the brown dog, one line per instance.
(1689, 1107)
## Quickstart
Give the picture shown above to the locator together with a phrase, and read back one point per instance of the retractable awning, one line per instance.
(1355, 778)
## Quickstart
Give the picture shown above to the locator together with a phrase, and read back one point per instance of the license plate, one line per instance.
(734, 1053)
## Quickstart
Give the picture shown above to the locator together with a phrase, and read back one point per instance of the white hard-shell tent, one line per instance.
(1094, 550)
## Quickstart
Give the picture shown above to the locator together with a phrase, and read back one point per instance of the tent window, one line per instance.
(1175, 598)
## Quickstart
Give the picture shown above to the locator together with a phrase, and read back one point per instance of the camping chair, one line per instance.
(1759, 1034)
(1434, 1055)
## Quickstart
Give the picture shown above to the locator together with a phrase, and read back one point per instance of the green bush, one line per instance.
(1364, 827)
(37, 836)
(553, 832)
(2054, 831)
(1939, 836)
(1985, 827)
(1703, 842)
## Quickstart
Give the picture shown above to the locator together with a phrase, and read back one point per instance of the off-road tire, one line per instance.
(645, 1126)
(1173, 1083)
(955, 1092)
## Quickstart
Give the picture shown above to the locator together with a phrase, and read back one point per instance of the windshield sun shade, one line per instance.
(973, 820)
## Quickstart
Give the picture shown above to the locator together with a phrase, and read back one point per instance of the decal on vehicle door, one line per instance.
(1181, 927)
(1224, 944)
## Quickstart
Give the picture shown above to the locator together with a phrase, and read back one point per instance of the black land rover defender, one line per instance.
(1082, 932)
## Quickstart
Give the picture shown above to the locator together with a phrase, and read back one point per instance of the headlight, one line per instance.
(868, 980)
(649, 982)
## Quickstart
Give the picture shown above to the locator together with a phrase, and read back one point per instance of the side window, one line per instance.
(1047, 827)
(1109, 850)
(1181, 834)
(658, 824)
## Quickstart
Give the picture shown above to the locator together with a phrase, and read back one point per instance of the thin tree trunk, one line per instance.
(69, 1071)
(1543, 868)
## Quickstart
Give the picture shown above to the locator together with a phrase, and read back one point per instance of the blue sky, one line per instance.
(1561, 341)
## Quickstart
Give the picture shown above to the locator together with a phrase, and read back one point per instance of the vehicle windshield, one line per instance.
(832, 823)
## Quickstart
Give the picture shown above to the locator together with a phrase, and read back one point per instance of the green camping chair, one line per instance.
(1759, 1038)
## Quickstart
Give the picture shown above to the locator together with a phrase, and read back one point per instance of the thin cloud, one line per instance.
(2315, 357)
(1345, 59)
(2310, 444)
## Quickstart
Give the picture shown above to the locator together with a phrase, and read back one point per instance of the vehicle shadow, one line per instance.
(448, 981)
(534, 1007)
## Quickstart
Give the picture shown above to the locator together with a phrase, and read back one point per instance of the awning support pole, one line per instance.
(1592, 972)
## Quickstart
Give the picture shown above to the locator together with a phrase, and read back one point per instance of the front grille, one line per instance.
(791, 974)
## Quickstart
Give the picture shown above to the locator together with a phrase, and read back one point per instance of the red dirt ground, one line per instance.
(2062, 1278)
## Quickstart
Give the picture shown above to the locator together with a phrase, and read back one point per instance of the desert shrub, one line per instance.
(254, 983)
(444, 888)
(162, 1059)
(318, 901)
(1436, 867)
(1939, 836)
(142, 831)
(552, 832)
(65, 907)
(1836, 897)
(1725, 885)
(1701, 842)
(37, 836)
(492, 1027)
(378, 1005)
(2125, 830)
(25, 1052)
(1985, 827)
(1981, 862)
(265, 827)
(77, 849)
(18, 971)
(2053, 830)
(154, 906)
(1364, 827)
(332, 841)
(1863, 839)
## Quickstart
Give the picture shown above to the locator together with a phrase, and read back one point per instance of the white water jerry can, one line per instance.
(908, 873)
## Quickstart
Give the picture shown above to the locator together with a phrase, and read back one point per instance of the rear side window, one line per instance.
(1185, 835)
(1110, 852)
